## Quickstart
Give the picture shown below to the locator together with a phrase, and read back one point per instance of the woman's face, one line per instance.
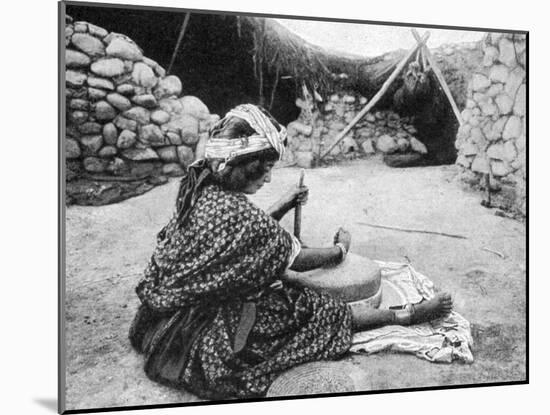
(251, 186)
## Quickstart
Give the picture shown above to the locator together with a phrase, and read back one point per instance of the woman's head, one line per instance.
(250, 141)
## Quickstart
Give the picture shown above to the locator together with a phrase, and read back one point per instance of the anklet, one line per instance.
(403, 317)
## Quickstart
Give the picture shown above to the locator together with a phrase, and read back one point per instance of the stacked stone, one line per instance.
(378, 132)
(492, 139)
(124, 115)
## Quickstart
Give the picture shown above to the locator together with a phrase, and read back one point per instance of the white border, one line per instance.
(29, 211)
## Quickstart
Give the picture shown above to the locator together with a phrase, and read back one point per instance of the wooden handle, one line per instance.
(298, 210)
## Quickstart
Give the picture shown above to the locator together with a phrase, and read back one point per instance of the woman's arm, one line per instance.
(311, 258)
(296, 195)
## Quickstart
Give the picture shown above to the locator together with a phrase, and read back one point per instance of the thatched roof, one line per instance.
(280, 50)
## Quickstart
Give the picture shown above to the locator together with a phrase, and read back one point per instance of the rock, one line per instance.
(74, 59)
(119, 101)
(480, 82)
(296, 127)
(88, 44)
(520, 143)
(403, 144)
(117, 166)
(418, 146)
(185, 155)
(464, 131)
(168, 154)
(160, 117)
(367, 147)
(143, 75)
(171, 105)
(147, 101)
(469, 149)
(504, 103)
(125, 124)
(477, 136)
(363, 101)
(139, 114)
(78, 117)
(125, 89)
(79, 104)
(97, 31)
(174, 138)
(386, 144)
(488, 107)
(72, 150)
(107, 152)
(512, 129)
(80, 27)
(496, 129)
(500, 168)
(169, 86)
(304, 159)
(193, 106)
(480, 165)
(79, 92)
(516, 78)
(520, 104)
(509, 152)
(88, 128)
(151, 134)
(124, 49)
(96, 94)
(496, 151)
(507, 53)
(69, 30)
(370, 117)
(499, 73)
(140, 154)
(74, 78)
(491, 54)
(126, 139)
(495, 90)
(94, 164)
(110, 133)
(186, 125)
(463, 161)
(104, 111)
(109, 67)
(101, 83)
(91, 144)
(142, 168)
(173, 169)
(466, 115)
(348, 99)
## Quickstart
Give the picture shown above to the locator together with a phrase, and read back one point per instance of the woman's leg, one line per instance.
(369, 318)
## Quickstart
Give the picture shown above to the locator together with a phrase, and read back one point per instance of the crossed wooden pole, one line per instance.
(426, 55)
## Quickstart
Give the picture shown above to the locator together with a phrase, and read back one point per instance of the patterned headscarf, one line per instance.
(225, 150)
(267, 136)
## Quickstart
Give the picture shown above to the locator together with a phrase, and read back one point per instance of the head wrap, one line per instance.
(224, 150)
(267, 136)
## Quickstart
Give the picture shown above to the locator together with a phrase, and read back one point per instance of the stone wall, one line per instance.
(125, 116)
(492, 140)
(315, 130)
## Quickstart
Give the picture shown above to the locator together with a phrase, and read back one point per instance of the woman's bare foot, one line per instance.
(439, 306)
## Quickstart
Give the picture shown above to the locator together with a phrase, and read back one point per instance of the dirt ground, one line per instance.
(107, 247)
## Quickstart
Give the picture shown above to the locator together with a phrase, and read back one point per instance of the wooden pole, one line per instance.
(439, 77)
(298, 210)
(180, 38)
(377, 97)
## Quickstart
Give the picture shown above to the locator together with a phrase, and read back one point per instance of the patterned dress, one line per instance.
(215, 317)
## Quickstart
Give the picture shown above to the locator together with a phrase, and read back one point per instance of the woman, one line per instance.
(218, 316)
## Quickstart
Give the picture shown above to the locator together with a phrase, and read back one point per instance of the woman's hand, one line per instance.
(343, 237)
(296, 195)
